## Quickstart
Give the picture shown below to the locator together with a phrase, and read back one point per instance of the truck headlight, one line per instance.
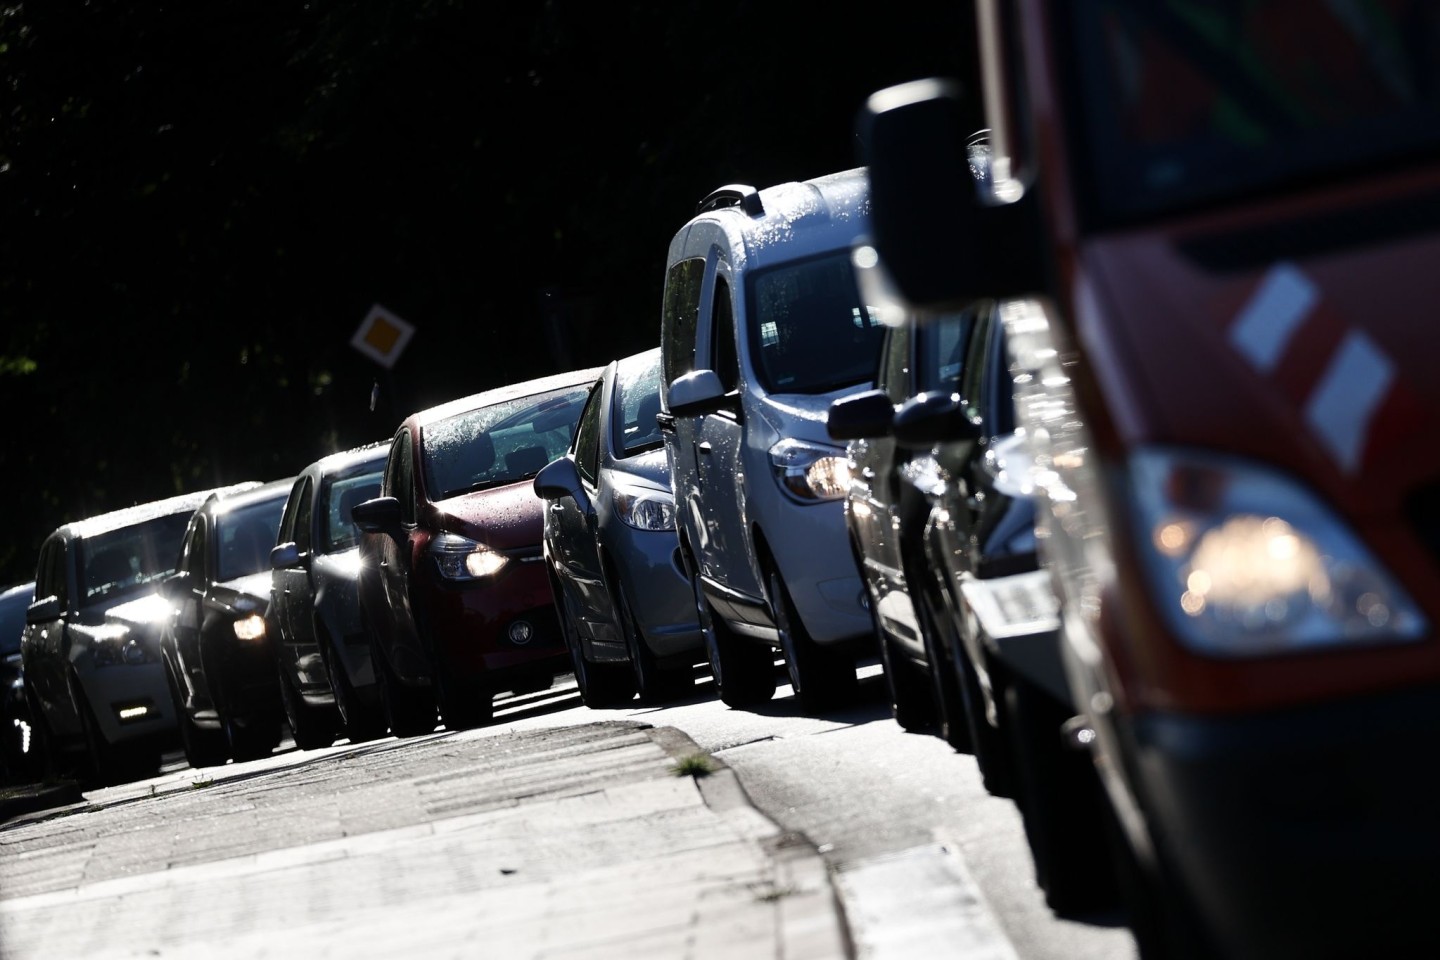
(645, 509)
(810, 471)
(1246, 562)
(460, 558)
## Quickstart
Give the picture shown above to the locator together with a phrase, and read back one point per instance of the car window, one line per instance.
(997, 389)
(808, 331)
(894, 376)
(304, 517)
(723, 358)
(245, 535)
(192, 547)
(977, 350)
(12, 619)
(398, 481)
(637, 401)
(940, 351)
(50, 571)
(680, 314)
(292, 503)
(122, 561)
(587, 436)
(339, 497)
(503, 443)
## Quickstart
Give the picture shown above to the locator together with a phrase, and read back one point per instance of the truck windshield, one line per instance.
(1184, 102)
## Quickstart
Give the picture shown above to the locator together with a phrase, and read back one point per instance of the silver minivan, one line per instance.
(762, 328)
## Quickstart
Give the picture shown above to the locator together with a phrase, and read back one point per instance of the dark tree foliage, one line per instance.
(200, 201)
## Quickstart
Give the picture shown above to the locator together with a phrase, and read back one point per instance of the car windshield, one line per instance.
(1185, 103)
(637, 401)
(337, 497)
(504, 443)
(12, 619)
(809, 332)
(124, 560)
(246, 535)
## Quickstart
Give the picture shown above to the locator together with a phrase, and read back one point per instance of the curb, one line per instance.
(32, 798)
(813, 919)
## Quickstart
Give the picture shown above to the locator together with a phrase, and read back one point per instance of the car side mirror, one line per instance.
(285, 555)
(43, 610)
(697, 393)
(380, 515)
(559, 479)
(930, 418)
(860, 416)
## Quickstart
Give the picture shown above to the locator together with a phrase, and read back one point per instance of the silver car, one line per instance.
(623, 597)
(762, 328)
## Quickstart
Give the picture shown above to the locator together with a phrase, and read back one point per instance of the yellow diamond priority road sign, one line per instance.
(382, 336)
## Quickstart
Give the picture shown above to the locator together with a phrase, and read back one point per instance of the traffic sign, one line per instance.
(382, 336)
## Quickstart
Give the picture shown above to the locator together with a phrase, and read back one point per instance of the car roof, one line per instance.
(17, 589)
(796, 219)
(332, 462)
(140, 512)
(508, 392)
(225, 500)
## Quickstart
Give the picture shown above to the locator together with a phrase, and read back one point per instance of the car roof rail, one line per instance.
(740, 195)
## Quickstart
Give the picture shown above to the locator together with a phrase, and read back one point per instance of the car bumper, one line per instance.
(1303, 833)
(492, 627)
(244, 678)
(662, 599)
(129, 701)
(815, 559)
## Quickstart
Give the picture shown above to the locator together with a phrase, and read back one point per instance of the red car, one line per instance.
(453, 590)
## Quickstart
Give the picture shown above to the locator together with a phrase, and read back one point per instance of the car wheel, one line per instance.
(461, 706)
(601, 684)
(252, 737)
(938, 624)
(654, 683)
(312, 727)
(1059, 796)
(743, 671)
(408, 712)
(203, 748)
(821, 678)
(359, 721)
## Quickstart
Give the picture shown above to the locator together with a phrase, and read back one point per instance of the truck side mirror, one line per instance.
(945, 240)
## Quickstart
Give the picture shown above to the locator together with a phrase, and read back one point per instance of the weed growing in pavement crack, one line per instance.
(693, 765)
(768, 893)
(202, 782)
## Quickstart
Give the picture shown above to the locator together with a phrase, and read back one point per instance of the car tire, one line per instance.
(654, 683)
(743, 671)
(312, 727)
(202, 747)
(1059, 795)
(821, 678)
(938, 624)
(408, 712)
(601, 685)
(912, 702)
(359, 721)
(253, 737)
(461, 706)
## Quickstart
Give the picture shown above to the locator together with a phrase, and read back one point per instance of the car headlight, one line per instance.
(810, 471)
(645, 509)
(1246, 562)
(460, 558)
(251, 628)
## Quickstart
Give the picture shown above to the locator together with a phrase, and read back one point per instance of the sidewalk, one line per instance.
(569, 842)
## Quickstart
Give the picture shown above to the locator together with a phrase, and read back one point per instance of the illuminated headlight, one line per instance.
(250, 628)
(460, 558)
(645, 509)
(809, 471)
(1245, 562)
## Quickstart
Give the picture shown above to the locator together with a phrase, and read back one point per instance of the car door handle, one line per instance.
(705, 447)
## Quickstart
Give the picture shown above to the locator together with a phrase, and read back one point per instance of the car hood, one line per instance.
(802, 415)
(254, 585)
(1319, 364)
(505, 518)
(137, 611)
(649, 469)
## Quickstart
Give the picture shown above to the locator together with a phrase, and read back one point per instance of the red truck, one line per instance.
(1213, 232)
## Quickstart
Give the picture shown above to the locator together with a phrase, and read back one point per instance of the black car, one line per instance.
(17, 760)
(893, 478)
(217, 647)
(326, 674)
(94, 681)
